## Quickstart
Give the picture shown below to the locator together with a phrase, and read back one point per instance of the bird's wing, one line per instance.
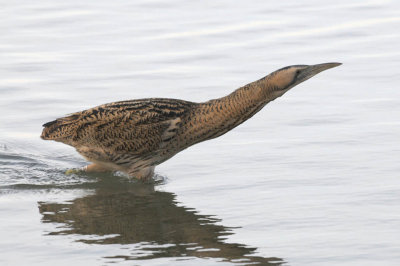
(135, 127)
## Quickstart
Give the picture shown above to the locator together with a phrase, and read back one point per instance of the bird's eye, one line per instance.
(297, 72)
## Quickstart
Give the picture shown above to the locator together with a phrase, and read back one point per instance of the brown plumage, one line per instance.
(134, 136)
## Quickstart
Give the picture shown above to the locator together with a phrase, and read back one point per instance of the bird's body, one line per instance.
(135, 136)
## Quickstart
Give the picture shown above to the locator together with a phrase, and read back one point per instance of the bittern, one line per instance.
(135, 136)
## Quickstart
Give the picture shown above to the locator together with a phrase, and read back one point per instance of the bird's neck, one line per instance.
(218, 116)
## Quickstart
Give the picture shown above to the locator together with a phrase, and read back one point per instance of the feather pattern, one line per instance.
(121, 132)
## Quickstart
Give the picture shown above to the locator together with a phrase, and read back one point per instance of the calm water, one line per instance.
(313, 179)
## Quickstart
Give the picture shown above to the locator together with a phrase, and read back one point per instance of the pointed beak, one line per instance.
(315, 69)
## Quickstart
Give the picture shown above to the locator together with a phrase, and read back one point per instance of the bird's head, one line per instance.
(286, 78)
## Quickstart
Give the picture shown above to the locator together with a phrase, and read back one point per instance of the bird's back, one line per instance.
(135, 126)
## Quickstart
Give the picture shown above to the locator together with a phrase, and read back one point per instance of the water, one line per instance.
(313, 179)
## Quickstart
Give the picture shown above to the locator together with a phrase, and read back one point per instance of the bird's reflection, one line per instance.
(135, 213)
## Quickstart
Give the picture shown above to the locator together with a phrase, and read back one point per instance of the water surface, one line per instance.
(313, 179)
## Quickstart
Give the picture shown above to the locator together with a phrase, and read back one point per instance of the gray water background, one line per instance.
(312, 179)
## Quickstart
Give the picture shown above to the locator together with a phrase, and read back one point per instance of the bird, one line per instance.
(134, 136)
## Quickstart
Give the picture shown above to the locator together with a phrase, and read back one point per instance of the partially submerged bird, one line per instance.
(135, 136)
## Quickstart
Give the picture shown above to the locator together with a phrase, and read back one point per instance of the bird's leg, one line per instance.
(95, 168)
(143, 174)
(91, 168)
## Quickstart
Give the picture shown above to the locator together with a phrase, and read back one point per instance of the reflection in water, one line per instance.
(127, 213)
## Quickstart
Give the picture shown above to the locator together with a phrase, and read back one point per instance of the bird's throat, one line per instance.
(216, 117)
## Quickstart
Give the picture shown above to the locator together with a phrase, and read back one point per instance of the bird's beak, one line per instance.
(315, 69)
